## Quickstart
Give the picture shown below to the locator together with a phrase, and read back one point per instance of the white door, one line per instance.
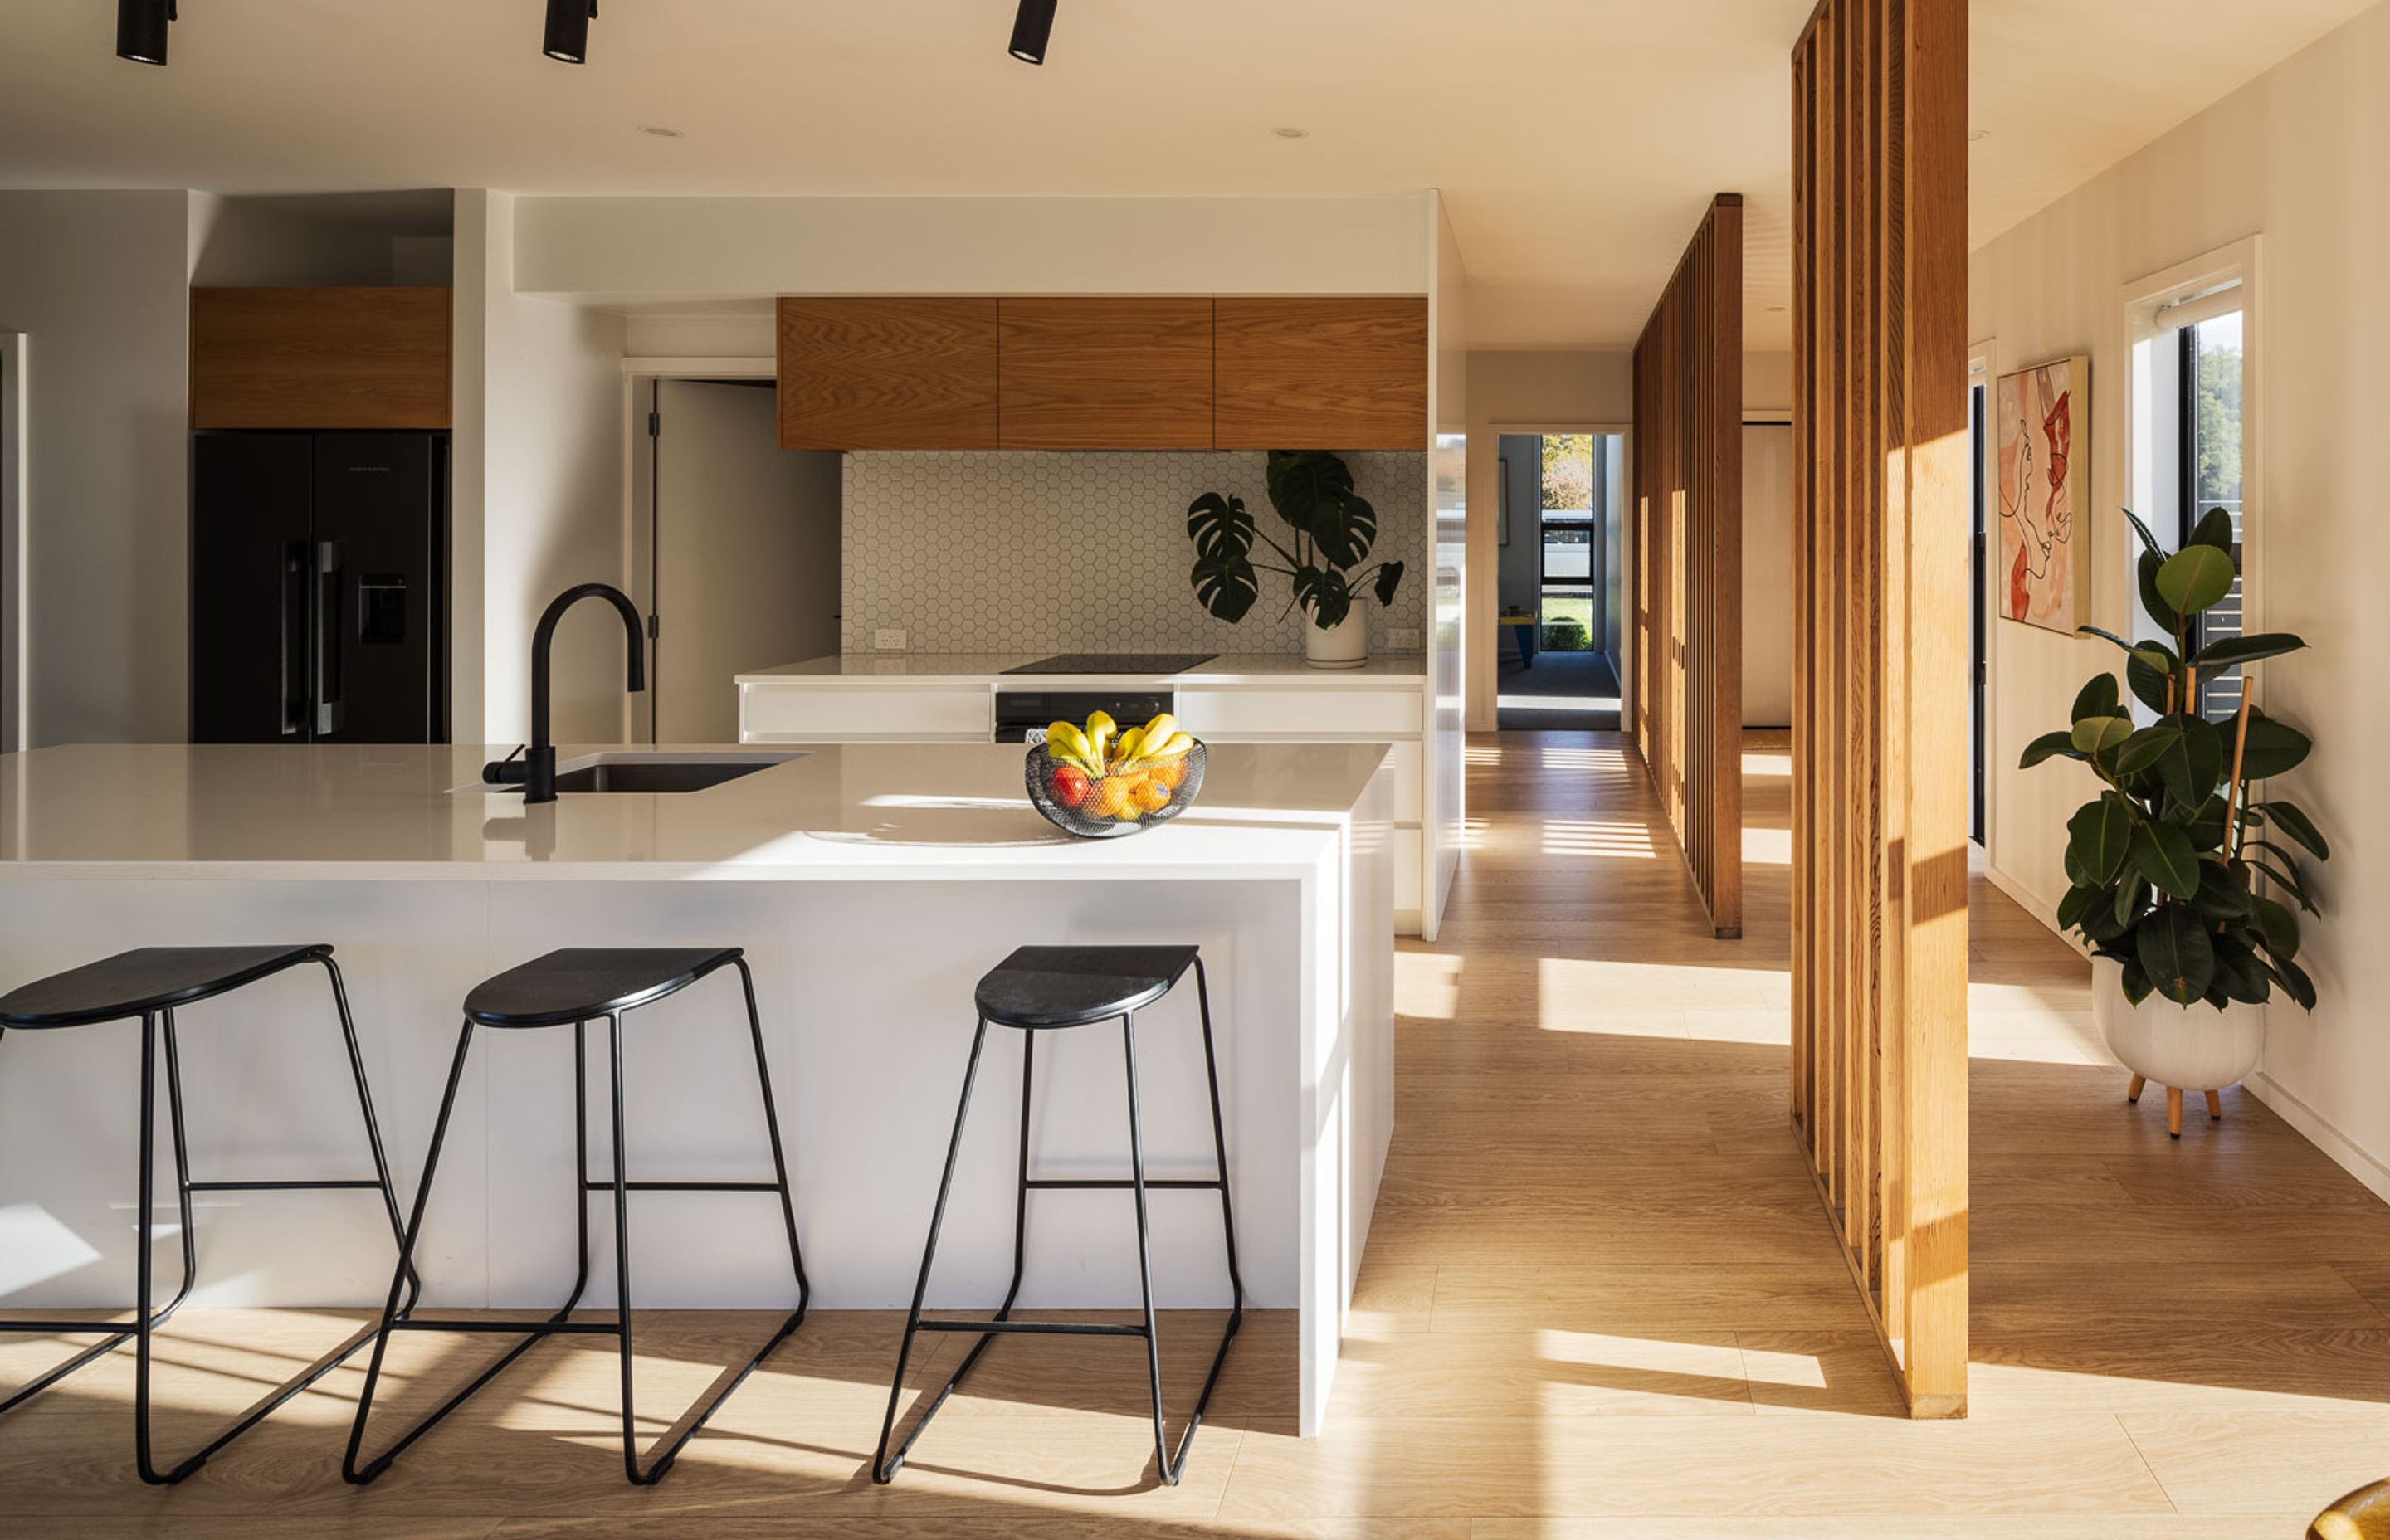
(744, 553)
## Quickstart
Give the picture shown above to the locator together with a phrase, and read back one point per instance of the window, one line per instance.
(2193, 447)
(2208, 439)
(1566, 570)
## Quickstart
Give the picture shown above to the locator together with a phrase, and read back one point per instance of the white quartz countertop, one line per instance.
(853, 812)
(1275, 669)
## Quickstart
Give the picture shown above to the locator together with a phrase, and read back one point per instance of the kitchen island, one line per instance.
(870, 886)
(1233, 698)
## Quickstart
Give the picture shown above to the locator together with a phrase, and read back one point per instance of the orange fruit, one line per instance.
(1113, 797)
(1153, 795)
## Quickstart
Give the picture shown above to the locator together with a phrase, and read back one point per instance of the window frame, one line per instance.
(2153, 309)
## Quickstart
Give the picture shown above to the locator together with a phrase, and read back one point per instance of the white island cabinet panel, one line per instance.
(870, 886)
(922, 715)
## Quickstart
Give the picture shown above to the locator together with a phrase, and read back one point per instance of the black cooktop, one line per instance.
(1116, 662)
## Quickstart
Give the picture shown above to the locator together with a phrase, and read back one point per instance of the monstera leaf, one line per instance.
(1312, 492)
(1225, 584)
(1324, 595)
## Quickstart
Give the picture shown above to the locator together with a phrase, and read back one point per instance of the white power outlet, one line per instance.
(1403, 639)
(888, 641)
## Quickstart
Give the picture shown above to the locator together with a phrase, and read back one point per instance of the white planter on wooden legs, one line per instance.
(2193, 1049)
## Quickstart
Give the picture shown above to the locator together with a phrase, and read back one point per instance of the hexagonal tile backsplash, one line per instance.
(1020, 552)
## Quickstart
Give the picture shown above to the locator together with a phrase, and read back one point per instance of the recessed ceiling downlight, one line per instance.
(660, 130)
(1291, 133)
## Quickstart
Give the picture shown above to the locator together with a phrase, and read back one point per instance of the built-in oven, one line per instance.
(1022, 715)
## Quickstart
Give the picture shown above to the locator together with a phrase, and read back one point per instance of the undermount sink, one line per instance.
(634, 770)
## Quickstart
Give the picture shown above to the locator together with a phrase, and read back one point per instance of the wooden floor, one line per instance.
(1600, 1301)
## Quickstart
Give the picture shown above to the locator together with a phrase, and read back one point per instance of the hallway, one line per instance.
(1601, 1302)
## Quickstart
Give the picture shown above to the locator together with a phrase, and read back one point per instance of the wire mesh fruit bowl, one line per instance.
(1123, 801)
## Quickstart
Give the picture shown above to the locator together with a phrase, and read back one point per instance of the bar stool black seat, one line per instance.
(147, 986)
(574, 987)
(1047, 988)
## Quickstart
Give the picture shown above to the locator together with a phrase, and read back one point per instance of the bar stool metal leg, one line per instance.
(621, 1187)
(1172, 1464)
(884, 1466)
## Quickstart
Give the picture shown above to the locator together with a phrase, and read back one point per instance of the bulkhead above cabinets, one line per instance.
(1174, 372)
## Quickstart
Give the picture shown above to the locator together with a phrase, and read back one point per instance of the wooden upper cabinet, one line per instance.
(888, 374)
(1321, 374)
(319, 358)
(1106, 374)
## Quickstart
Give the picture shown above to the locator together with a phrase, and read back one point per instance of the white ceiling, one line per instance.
(1576, 141)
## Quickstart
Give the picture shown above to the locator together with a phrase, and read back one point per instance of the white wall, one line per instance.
(1519, 461)
(99, 283)
(1767, 575)
(1449, 637)
(538, 490)
(307, 242)
(2301, 156)
(673, 247)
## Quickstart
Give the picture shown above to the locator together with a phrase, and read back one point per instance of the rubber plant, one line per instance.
(1333, 529)
(2175, 867)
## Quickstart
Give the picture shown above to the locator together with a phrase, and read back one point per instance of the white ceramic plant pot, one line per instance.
(2193, 1049)
(1344, 645)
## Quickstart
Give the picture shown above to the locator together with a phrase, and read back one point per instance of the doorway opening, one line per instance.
(734, 547)
(1560, 527)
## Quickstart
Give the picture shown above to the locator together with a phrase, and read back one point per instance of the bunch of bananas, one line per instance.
(1106, 772)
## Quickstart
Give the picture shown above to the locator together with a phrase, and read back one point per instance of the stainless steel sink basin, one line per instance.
(635, 770)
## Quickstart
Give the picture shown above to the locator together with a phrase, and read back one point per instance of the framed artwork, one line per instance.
(1502, 500)
(2043, 422)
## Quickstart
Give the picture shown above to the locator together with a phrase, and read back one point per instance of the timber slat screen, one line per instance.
(1879, 662)
(1688, 599)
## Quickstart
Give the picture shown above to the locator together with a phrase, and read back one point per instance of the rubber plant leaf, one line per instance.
(2099, 697)
(2174, 951)
(2290, 820)
(2162, 852)
(2100, 835)
(2273, 748)
(2048, 746)
(2232, 651)
(2195, 578)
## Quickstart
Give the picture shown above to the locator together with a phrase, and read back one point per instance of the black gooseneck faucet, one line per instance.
(535, 772)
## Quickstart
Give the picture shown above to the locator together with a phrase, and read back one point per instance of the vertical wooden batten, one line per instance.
(1878, 921)
(1687, 596)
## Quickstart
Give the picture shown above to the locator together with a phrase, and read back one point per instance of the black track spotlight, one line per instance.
(141, 29)
(567, 39)
(1031, 26)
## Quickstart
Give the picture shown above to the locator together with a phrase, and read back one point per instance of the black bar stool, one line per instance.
(1039, 989)
(574, 987)
(148, 984)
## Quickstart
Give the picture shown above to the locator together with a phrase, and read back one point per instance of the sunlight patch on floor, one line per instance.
(1606, 837)
(1767, 847)
(1557, 703)
(1426, 985)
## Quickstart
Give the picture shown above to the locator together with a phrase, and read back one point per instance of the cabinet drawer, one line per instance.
(1301, 714)
(769, 713)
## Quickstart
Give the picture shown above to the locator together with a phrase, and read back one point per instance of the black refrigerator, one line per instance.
(319, 587)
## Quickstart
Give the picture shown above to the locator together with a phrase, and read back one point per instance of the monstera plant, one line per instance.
(1331, 529)
(2178, 873)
